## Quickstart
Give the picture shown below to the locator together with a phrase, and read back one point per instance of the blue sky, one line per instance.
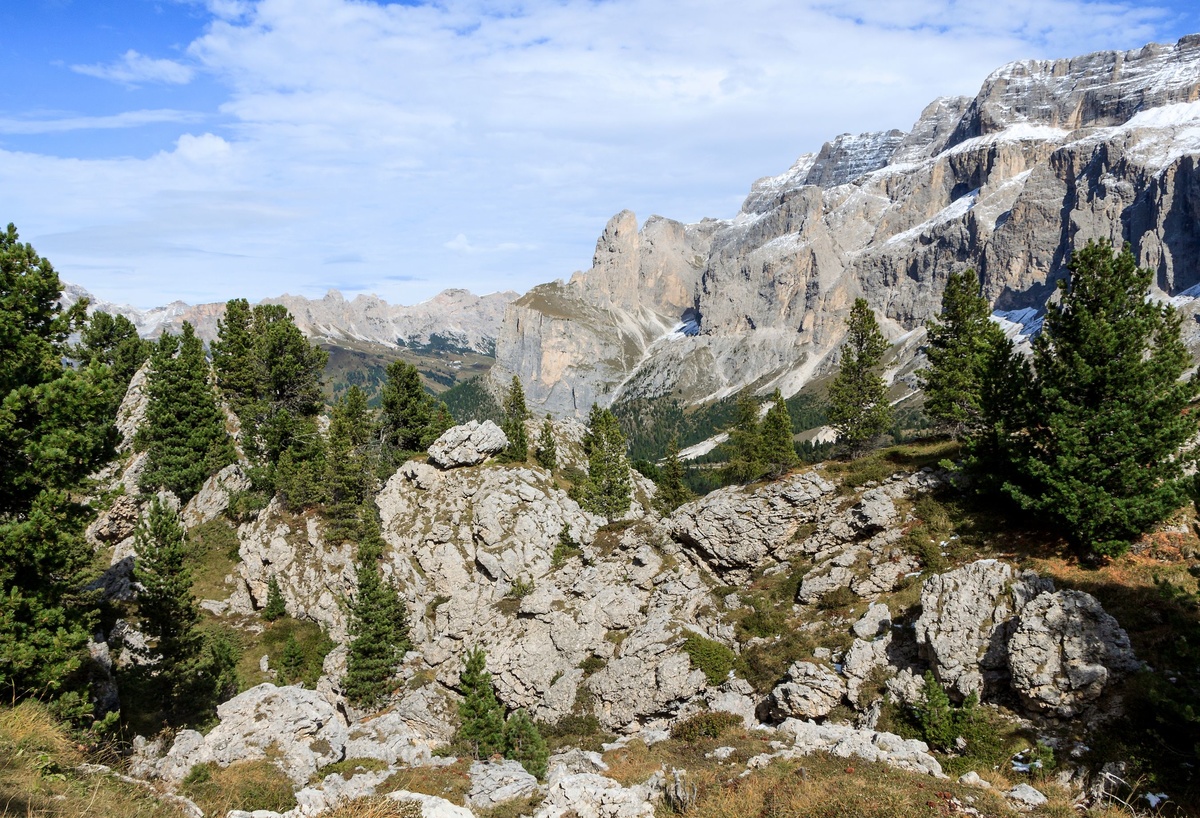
(208, 149)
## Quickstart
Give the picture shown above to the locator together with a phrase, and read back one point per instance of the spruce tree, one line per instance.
(291, 662)
(480, 716)
(961, 341)
(378, 623)
(744, 448)
(778, 445)
(411, 418)
(112, 340)
(523, 742)
(672, 491)
(607, 490)
(1109, 432)
(56, 427)
(515, 414)
(858, 407)
(546, 451)
(275, 608)
(168, 614)
(234, 358)
(184, 434)
(350, 474)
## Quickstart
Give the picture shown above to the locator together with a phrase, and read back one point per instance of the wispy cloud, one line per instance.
(127, 119)
(134, 69)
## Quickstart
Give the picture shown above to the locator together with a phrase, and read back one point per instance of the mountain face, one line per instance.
(454, 318)
(1048, 155)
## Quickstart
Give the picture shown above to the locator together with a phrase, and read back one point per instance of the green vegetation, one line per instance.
(480, 716)
(1108, 434)
(515, 415)
(524, 743)
(778, 446)
(705, 725)
(710, 656)
(245, 785)
(743, 450)
(412, 418)
(114, 342)
(566, 547)
(378, 623)
(606, 491)
(471, 400)
(351, 465)
(545, 452)
(858, 406)
(184, 435)
(275, 607)
(672, 491)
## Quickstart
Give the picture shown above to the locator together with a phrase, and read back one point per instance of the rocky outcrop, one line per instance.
(845, 741)
(967, 620)
(298, 728)
(588, 795)
(734, 529)
(213, 497)
(808, 691)
(497, 782)
(1046, 156)
(467, 445)
(1065, 650)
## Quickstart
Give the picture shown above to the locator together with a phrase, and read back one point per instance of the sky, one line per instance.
(203, 150)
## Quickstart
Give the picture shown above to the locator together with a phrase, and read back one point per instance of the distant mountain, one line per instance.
(1046, 156)
(453, 320)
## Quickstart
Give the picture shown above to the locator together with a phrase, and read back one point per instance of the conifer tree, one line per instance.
(672, 491)
(168, 614)
(607, 490)
(234, 358)
(350, 475)
(275, 608)
(480, 716)
(523, 742)
(56, 427)
(961, 342)
(184, 435)
(1108, 431)
(744, 448)
(412, 418)
(515, 414)
(546, 452)
(291, 662)
(112, 340)
(858, 406)
(778, 445)
(378, 623)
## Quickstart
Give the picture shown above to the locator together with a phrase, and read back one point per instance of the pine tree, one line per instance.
(546, 452)
(378, 623)
(56, 427)
(480, 716)
(778, 445)
(350, 473)
(234, 358)
(275, 608)
(672, 491)
(858, 406)
(291, 662)
(744, 448)
(412, 418)
(523, 742)
(607, 490)
(935, 715)
(112, 340)
(515, 414)
(168, 613)
(184, 434)
(1109, 432)
(961, 339)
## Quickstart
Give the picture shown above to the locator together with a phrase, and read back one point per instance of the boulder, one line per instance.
(213, 497)
(297, 728)
(966, 620)
(497, 782)
(809, 691)
(845, 741)
(467, 445)
(1064, 650)
(1025, 797)
(587, 795)
(877, 621)
(117, 522)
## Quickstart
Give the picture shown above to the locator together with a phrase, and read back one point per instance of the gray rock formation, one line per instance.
(497, 782)
(467, 445)
(845, 741)
(213, 497)
(966, 621)
(809, 691)
(588, 795)
(298, 728)
(1065, 650)
(1046, 156)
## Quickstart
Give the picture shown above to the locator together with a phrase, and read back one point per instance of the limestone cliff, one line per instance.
(1046, 156)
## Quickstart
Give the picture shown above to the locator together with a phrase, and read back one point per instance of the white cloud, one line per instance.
(134, 68)
(370, 131)
(127, 119)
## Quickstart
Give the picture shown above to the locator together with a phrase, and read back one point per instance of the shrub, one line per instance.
(715, 659)
(763, 620)
(841, 597)
(705, 725)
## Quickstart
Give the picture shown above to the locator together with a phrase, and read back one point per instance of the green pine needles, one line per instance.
(515, 414)
(483, 731)
(378, 624)
(858, 406)
(546, 451)
(607, 491)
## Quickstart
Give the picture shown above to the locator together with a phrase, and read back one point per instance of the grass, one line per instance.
(214, 555)
(377, 807)
(882, 464)
(39, 773)
(451, 782)
(575, 730)
(347, 768)
(244, 785)
(314, 644)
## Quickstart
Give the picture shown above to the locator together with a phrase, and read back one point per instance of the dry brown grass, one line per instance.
(245, 785)
(39, 776)
(377, 807)
(450, 782)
